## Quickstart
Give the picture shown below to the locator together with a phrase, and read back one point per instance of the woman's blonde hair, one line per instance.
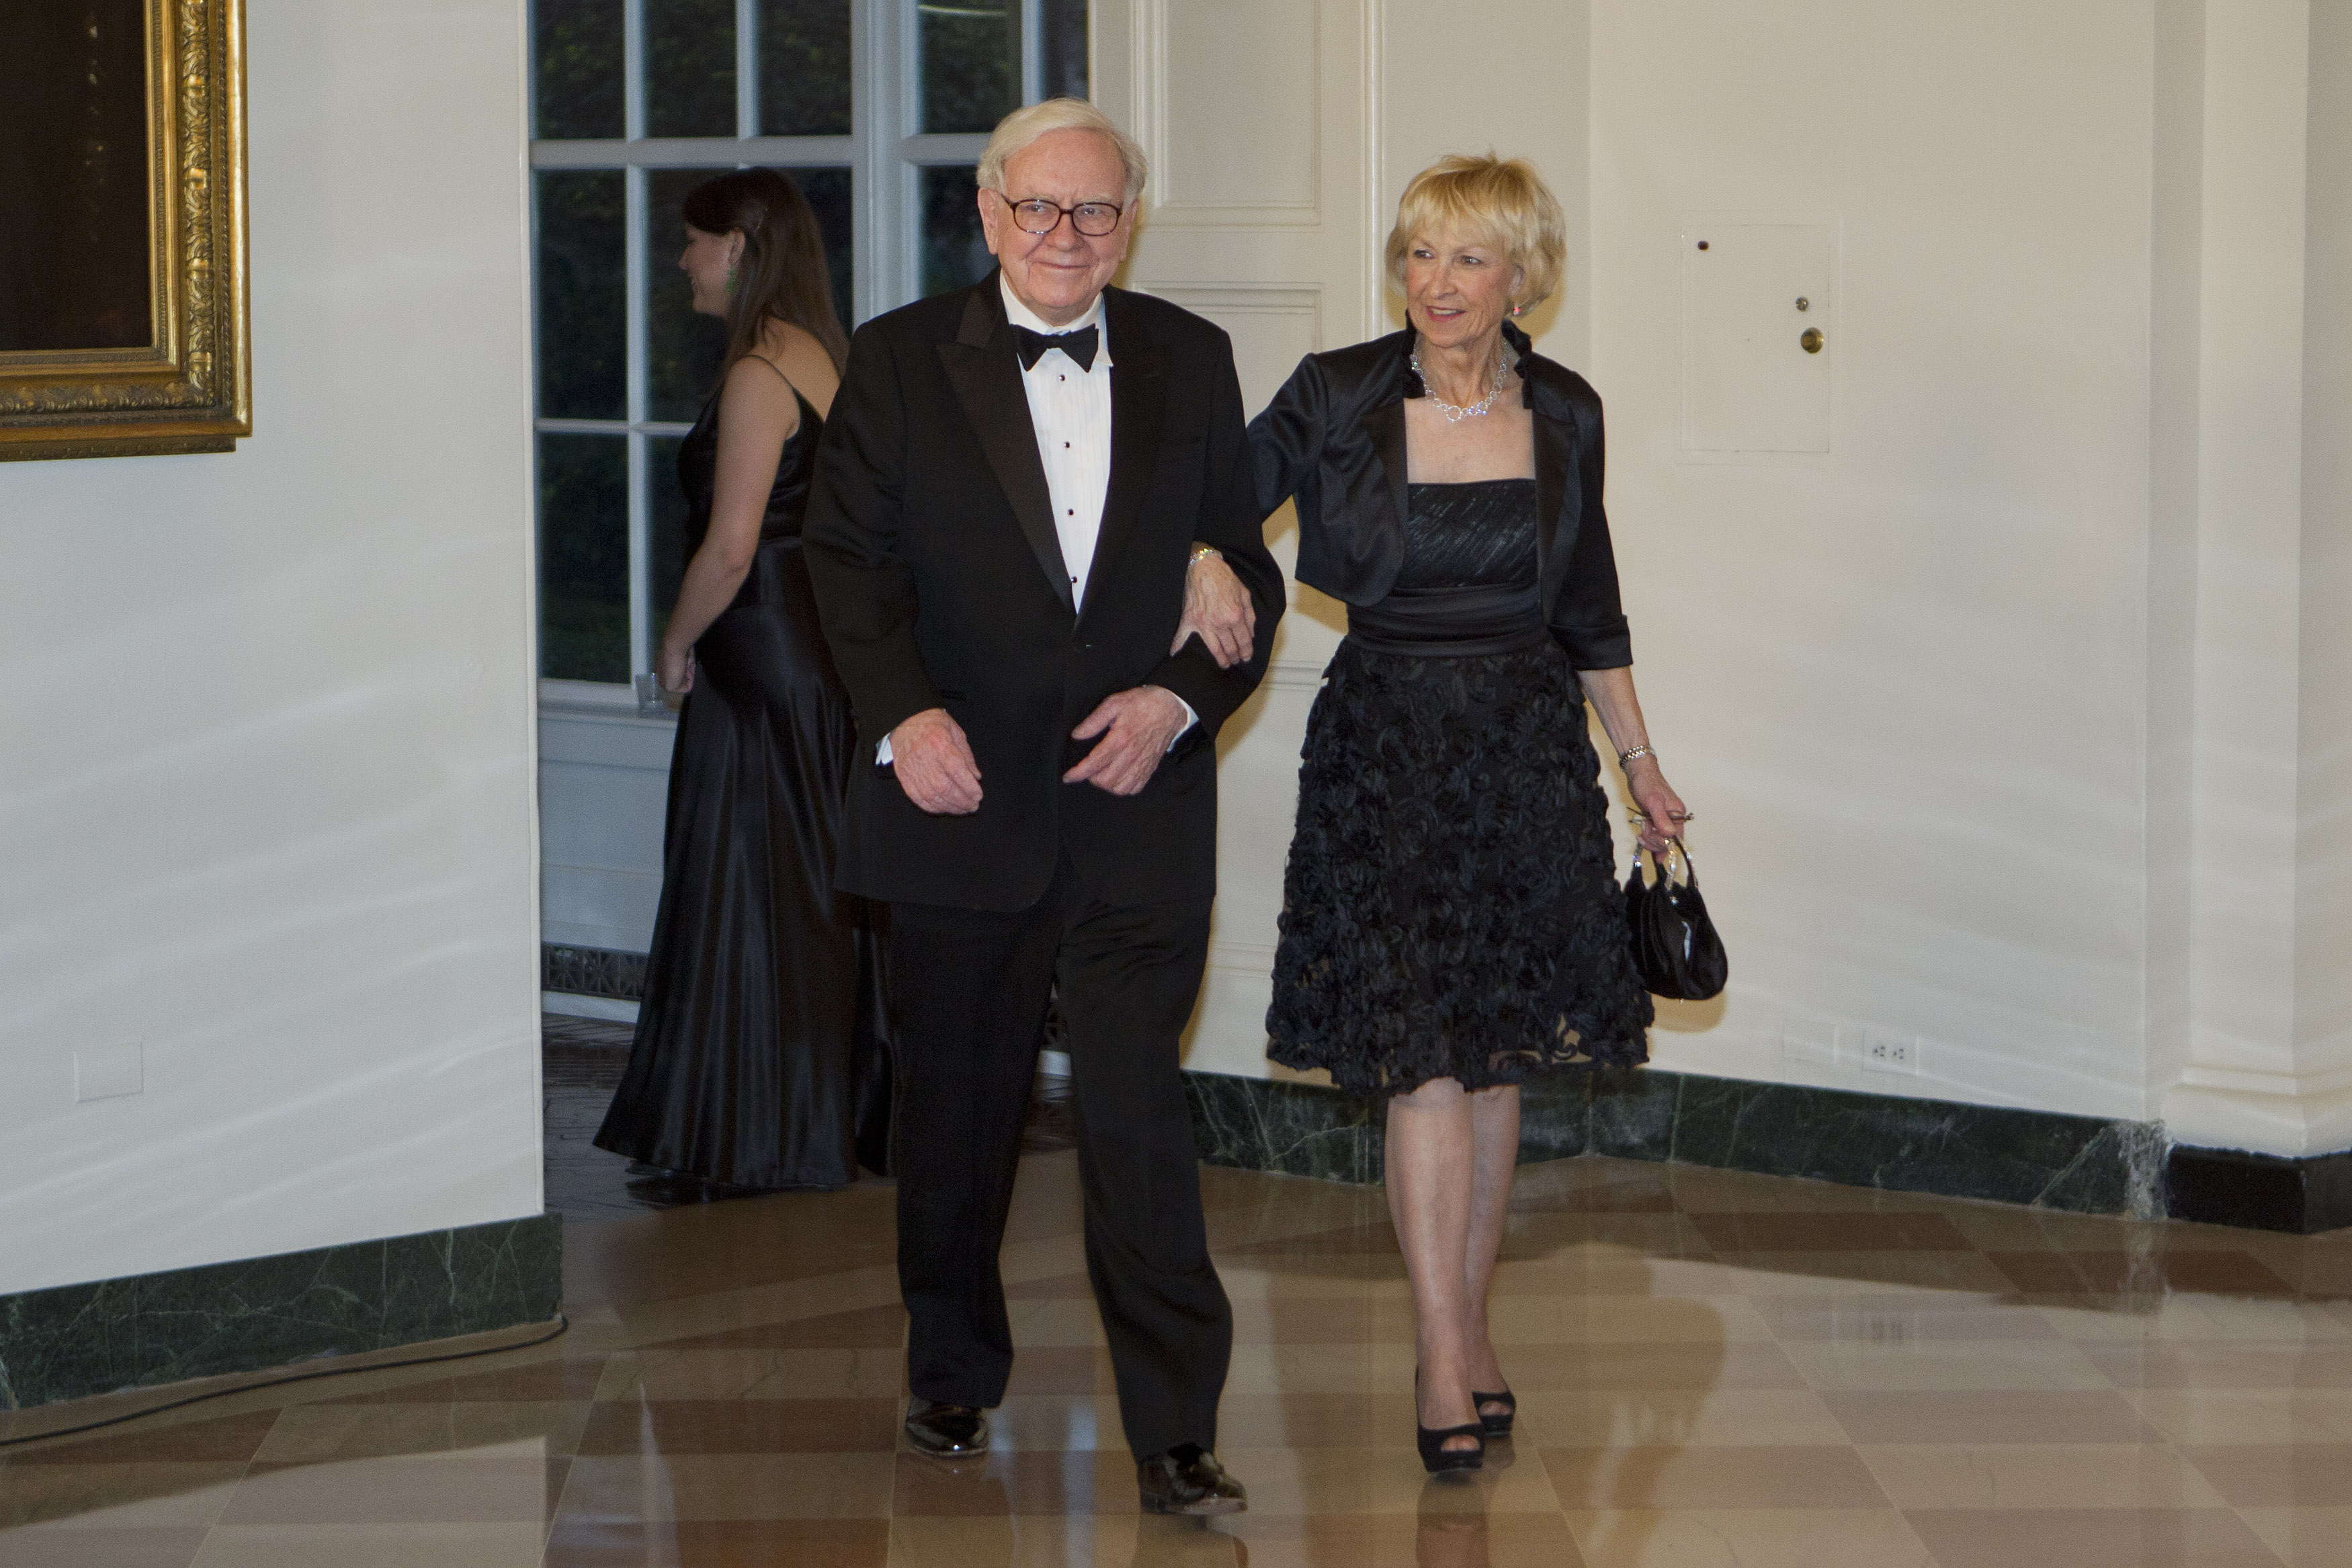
(1498, 201)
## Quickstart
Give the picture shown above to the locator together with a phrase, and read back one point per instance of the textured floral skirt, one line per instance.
(1450, 909)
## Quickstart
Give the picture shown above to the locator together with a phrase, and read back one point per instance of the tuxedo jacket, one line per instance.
(1334, 438)
(938, 576)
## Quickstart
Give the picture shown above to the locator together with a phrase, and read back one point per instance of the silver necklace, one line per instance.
(1456, 414)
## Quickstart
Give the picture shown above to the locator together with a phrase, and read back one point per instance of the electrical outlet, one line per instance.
(1890, 1052)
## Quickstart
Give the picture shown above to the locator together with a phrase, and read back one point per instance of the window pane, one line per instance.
(583, 558)
(972, 77)
(665, 536)
(804, 68)
(690, 68)
(582, 293)
(683, 349)
(1064, 46)
(577, 45)
(955, 252)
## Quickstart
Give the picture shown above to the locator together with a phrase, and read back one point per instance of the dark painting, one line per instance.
(74, 250)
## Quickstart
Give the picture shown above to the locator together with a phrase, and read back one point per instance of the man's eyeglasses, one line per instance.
(1040, 218)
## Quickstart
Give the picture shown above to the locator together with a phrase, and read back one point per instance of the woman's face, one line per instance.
(1457, 290)
(706, 261)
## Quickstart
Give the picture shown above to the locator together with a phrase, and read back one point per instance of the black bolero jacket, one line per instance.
(1334, 438)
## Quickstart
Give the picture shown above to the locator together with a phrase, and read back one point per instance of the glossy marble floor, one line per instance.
(1715, 1370)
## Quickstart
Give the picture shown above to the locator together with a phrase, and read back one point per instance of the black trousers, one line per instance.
(971, 988)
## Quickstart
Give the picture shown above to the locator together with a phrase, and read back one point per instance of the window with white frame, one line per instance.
(878, 109)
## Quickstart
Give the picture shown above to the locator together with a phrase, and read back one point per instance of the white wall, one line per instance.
(2016, 718)
(1903, 682)
(266, 790)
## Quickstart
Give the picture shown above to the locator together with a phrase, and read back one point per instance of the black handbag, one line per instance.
(1675, 949)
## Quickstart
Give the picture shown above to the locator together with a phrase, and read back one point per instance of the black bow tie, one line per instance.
(1080, 346)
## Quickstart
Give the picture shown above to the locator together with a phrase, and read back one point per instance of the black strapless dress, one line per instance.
(1450, 909)
(762, 1054)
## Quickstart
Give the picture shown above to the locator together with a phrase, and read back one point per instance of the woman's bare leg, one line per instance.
(1430, 1162)
(1494, 1142)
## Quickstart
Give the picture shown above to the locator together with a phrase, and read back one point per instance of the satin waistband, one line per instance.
(1462, 623)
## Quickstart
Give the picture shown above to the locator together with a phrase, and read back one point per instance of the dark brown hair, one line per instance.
(783, 273)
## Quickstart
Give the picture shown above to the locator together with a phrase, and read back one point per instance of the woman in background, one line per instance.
(1451, 921)
(761, 1057)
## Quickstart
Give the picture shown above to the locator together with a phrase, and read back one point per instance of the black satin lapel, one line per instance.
(1559, 500)
(1385, 425)
(1139, 397)
(987, 382)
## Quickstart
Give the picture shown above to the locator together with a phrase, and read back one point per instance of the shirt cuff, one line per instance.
(882, 753)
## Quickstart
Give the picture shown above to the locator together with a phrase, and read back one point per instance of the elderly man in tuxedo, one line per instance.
(1013, 480)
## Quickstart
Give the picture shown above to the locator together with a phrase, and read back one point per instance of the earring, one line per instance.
(730, 286)
(1515, 310)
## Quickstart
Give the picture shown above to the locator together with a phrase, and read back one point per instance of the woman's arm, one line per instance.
(1611, 692)
(757, 415)
(1286, 440)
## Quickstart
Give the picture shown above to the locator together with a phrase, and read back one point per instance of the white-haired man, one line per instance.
(1010, 488)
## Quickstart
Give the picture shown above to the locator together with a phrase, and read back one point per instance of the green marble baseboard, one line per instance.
(2080, 1164)
(78, 1340)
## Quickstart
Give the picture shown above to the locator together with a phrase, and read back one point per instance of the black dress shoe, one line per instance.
(1188, 1479)
(951, 1431)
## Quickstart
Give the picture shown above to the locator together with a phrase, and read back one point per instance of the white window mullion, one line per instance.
(747, 68)
(632, 68)
(633, 115)
(1029, 38)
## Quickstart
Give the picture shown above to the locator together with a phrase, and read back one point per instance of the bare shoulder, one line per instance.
(758, 401)
(797, 355)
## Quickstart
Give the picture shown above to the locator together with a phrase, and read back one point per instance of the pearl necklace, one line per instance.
(1453, 414)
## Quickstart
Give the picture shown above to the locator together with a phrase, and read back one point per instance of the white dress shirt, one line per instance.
(1069, 409)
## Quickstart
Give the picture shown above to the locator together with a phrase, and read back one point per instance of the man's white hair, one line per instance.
(1017, 129)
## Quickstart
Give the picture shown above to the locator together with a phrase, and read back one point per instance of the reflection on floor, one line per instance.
(584, 1061)
(1714, 1369)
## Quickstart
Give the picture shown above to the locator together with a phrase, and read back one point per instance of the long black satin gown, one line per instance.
(763, 1052)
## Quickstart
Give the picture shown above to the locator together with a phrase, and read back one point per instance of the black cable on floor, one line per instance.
(562, 1324)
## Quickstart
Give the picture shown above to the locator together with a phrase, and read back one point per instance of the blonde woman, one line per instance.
(1451, 922)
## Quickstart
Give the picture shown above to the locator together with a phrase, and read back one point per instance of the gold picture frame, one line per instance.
(123, 327)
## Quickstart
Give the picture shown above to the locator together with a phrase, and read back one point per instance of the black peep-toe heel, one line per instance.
(1435, 1456)
(1496, 1425)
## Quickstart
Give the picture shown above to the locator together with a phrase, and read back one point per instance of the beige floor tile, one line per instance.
(2247, 1415)
(1897, 1322)
(1761, 1538)
(1333, 1481)
(1948, 1364)
(719, 1543)
(1615, 1271)
(1621, 1320)
(1679, 1366)
(2296, 1475)
(1057, 1422)
(2206, 1318)
(1735, 1418)
(310, 1434)
(1015, 1483)
(2090, 1538)
(2038, 1475)
(1030, 1540)
(729, 1486)
(2195, 1365)
(1970, 1416)
(1055, 1321)
(44, 1546)
(844, 1374)
(511, 1545)
(1737, 1479)
(116, 1497)
(2305, 1537)
(1428, 1538)
(1783, 1273)
(503, 1485)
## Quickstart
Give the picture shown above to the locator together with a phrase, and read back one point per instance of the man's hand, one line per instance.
(934, 764)
(1220, 609)
(1141, 722)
